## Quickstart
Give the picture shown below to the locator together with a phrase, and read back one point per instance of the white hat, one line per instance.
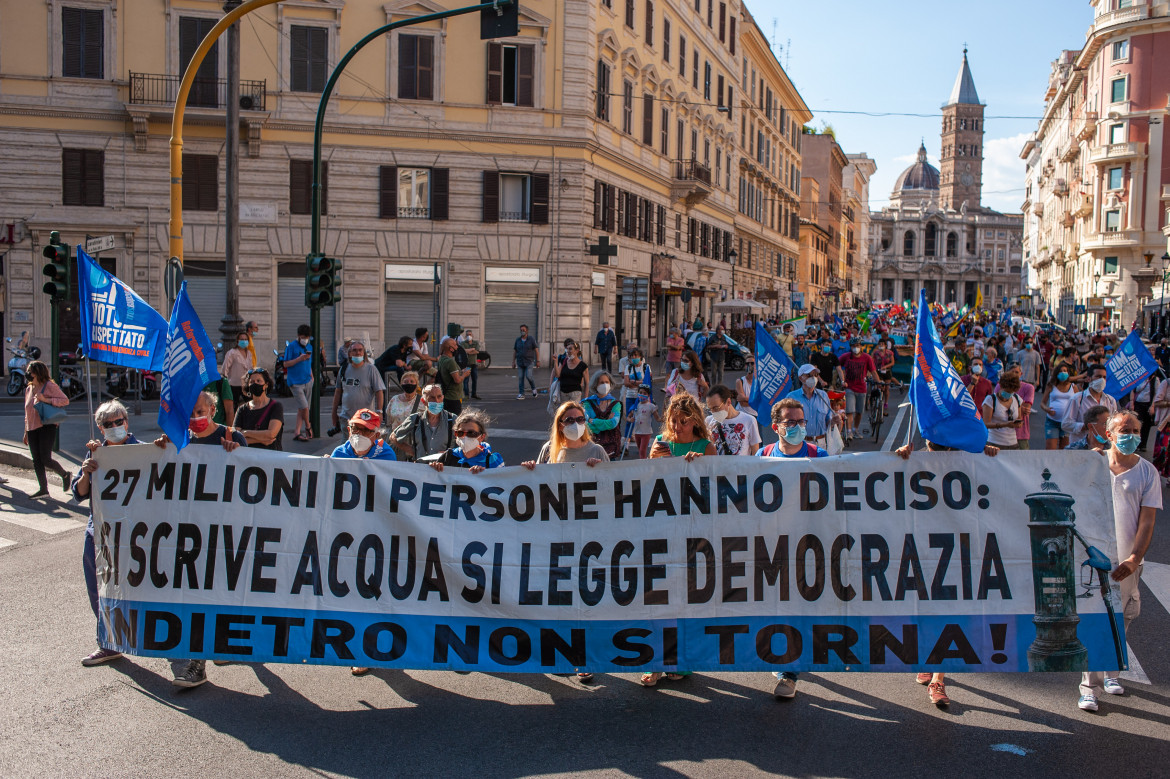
(806, 369)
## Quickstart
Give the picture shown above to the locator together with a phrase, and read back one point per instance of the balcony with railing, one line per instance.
(414, 212)
(1108, 19)
(1114, 152)
(159, 89)
(691, 181)
(1085, 126)
(1060, 187)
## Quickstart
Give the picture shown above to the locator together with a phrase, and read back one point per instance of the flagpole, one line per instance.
(89, 395)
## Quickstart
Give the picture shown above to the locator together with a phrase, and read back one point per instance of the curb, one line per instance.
(16, 455)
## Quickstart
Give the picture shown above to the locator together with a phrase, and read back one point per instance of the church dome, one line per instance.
(921, 175)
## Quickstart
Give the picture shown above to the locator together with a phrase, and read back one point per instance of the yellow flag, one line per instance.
(978, 298)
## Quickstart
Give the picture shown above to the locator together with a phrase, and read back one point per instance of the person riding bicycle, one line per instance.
(884, 358)
(857, 366)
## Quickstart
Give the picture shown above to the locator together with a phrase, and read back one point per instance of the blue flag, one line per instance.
(188, 368)
(946, 413)
(117, 326)
(1132, 365)
(774, 372)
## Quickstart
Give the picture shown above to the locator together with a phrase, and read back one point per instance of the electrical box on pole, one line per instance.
(500, 21)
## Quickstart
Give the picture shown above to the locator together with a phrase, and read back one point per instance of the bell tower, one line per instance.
(961, 161)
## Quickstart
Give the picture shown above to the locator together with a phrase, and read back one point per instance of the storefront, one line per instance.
(511, 299)
(413, 294)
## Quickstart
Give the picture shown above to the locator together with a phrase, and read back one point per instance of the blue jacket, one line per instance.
(606, 341)
(380, 451)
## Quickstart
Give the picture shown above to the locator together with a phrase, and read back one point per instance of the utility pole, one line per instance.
(231, 323)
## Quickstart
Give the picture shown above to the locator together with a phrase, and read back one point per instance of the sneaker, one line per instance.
(359, 670)
(785, 688)
(534, 392)
(193, 675)
(1087, 703)
(1113, 687)
(923, 678)
(222, 662)
(520, 396)
(938, 694)
(99, 657)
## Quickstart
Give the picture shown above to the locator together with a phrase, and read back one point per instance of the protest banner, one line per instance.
(1132, 365)
(774, 374)
(945, 562)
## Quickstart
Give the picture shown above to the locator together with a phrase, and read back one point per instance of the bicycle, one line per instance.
(875, 409)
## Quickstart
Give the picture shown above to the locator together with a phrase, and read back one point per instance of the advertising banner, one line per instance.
(945, 562)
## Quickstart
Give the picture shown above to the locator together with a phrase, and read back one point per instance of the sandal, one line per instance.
(299, 438)
(676, 677)
(584, 677)
(359, 670)
(649, 680)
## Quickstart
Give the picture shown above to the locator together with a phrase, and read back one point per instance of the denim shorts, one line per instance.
(1052, 429)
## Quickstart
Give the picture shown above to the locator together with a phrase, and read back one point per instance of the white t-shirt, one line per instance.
(1139, 486)
(644, 417)
(998, 410)
(740, 432)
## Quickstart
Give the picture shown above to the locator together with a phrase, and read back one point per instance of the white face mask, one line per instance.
(574, 431)
(303, 341)
(810, 382)
(360, 443)
(857, 350)
(467, 443)
(977, 369)
(719, 415)
(1097, 385)
(603, 389)
(115, 435)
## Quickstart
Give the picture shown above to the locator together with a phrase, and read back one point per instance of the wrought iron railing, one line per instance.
(408, 212)
(692, 170)
(513, 216)
(161, 89)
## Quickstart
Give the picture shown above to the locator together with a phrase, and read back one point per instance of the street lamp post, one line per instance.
(1162, 300)
(732, 256)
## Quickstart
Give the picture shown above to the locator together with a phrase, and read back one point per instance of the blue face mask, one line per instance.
(1062, 377)
(1127, 443)
(434, 408)
(794, 435)
(357, 359)
(242, 343)
(684, 365)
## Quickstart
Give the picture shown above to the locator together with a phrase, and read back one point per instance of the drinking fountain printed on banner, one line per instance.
(1057, 646)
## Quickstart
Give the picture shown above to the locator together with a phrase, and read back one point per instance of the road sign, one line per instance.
(102, 243)
(635, 294)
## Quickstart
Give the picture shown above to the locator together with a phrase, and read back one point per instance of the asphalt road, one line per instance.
(125, 718)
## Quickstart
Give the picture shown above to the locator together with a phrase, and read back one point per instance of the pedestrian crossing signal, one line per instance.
(500, 21)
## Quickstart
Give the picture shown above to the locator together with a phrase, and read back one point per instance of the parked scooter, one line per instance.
(71, 383)
(122, 382)
(18, 365)
(280, 376)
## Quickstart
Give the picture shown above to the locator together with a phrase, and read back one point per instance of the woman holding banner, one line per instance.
(112, 419)
(684, 434)
(604, 413)
(471, 449)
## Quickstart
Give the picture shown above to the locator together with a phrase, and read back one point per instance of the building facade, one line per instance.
(1097, 199)
(855, 181)
(767, 223)
(935, 234)
(465, 180)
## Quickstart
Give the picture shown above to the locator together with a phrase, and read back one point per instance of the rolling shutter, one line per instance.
(406, 311)
(292, 312)
(503, 315)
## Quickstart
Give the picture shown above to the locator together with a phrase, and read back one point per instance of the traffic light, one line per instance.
(322, 280)
(501, 21)
(57, 268)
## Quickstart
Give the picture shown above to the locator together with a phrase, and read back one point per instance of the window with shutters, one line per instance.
(730, 100)
(631, 7)
(666, 40)
(719, 90)
(416, 67)
(682, 57)
(660, 224)
(664, 132)
(516, 197)
(602, 108)
(200, 182)
(300, 187)
(680, 137)
(83, 43)
(711, 13)
(648, 119)
(695, 68)
(628, 107)
(649, 22)
(414, 193)
(308, 58)
(83, 177)
(511, 74)
(731, 36)
(722, 22)
(205, 89)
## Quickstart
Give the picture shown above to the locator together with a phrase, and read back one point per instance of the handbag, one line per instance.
(834, 444)
(50, 414)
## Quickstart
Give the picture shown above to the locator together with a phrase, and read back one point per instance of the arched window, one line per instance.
(952, 244)
(931, 236)
(908, 244)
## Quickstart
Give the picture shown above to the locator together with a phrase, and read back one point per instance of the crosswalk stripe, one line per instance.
(49, 525)
(5, 542)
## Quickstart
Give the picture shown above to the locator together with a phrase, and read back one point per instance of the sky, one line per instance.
(861, 55)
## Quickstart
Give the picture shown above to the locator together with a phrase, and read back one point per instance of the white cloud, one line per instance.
(1003, 173)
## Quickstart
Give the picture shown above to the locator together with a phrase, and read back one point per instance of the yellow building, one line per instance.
(771, 115)
(815, 266)
(494, 165)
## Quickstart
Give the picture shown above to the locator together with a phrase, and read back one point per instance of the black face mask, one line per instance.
(256, 389)
(409, 388)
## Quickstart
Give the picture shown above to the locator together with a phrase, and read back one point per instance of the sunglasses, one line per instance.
(110, 423)
(572, 421)
(472, 433)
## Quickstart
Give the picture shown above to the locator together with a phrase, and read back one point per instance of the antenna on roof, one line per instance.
(774, 22)
(787, 53)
